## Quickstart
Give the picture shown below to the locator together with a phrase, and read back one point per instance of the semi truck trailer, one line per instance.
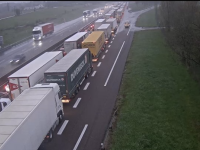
(31, 118)
(41, 31)
(75, 41)
(95, 42)
(113, 23)
(98, 23)
(32, 73)
(107, 31)
(70, 72)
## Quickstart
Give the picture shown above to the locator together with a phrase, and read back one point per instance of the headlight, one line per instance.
(11, 61)
(39, 38)
(17, 60)
(33, 38)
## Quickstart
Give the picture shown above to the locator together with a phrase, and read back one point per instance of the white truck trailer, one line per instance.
(107, 31)
(98, 23)
(75, 41)
(32, 73)
(113, 23)
(31, 118)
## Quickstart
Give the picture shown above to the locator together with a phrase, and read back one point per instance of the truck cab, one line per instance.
(37, 33)
(95, 13)
(85, 14)
(58, 97)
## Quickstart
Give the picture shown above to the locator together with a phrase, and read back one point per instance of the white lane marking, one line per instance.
(86, 86)
(80, 137)
(106, 51)
(129, 30)
(111, 41)
(109, 45)
(63, 127)
(99, 64)
(114, 64)
(94, 73)
(77, 102)
(103, 56)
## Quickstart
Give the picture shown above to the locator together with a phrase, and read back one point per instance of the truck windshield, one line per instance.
(36, 32)
(84, 13)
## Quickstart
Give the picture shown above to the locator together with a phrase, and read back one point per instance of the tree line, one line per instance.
(181, 22)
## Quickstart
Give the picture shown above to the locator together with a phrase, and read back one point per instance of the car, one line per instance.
(17, 58)
(127, 24)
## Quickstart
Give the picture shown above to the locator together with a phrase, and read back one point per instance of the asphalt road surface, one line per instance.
(31, 48)
(87, 117)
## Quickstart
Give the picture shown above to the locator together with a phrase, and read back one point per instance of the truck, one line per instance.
(85, 14)
(41, 31)
(95, 13)
(88, 13)
(113, 23)
(95, 42)
(98, 23)
(101, 11)
(107, 31)
(32, 73)
(31, 119)
(119, 15)
(74, 42)
(70, 72)
(110, 14)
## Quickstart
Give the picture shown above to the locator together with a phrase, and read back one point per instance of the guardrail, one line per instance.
(14, 44)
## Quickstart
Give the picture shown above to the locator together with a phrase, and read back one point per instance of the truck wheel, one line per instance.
(79, 87)
(87, 75)
(76, 92)
(89, 70)
(51, 135)
(60, 117)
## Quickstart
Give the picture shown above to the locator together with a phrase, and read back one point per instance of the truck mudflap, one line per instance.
(96, 57)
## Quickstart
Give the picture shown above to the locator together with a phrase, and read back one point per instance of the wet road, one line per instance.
(31, 48)
(88, 115)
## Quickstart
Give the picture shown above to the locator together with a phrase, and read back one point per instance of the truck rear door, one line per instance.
(24, 84)
(17, 86)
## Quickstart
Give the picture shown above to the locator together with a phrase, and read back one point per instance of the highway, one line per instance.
(31, 48)
(87, 117)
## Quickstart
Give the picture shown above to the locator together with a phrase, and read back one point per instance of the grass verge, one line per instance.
(147, 19)
(160, 101)
(137, 6)
(12, 34)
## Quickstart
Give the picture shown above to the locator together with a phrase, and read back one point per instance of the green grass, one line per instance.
(56, 15)
(137, 6)
(160, 105)
(147, 19)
